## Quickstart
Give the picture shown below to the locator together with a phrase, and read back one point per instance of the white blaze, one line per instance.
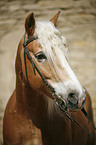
(55, 47)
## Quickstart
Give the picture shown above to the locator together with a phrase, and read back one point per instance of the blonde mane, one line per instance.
(53, 44)
(55, 47)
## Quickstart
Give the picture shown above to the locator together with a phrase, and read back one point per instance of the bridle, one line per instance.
(57, 99)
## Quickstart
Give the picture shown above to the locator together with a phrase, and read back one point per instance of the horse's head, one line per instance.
(49, 54)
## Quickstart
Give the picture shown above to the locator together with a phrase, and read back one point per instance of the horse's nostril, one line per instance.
(72, 98)
(71, 95)
(83, 101)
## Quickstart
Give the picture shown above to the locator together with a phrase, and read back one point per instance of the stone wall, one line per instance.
(77, 22)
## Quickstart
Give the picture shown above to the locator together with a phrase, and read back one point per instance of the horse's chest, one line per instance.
(57, 135)
(31, 134)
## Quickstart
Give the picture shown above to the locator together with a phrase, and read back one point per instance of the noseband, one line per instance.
(58, 99)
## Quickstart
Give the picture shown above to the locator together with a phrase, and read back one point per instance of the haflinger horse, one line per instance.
(46, 90)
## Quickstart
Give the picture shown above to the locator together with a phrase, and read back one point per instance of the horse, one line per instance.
(47, 90)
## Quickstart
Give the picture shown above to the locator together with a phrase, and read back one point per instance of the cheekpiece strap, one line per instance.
(29, 40)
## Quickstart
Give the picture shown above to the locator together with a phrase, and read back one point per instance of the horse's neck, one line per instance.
(43, 112)
(37, 106)
(29, 101)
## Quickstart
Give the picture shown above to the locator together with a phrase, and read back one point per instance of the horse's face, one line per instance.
(49, 54)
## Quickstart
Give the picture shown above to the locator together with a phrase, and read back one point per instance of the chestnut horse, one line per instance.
(32, 117)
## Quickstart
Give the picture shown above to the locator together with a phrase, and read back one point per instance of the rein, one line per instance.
(58, 99)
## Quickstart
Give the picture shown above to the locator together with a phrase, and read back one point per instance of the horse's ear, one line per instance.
(55, 18)
(30, 24)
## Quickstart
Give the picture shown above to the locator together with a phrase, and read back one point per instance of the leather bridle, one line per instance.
(58, 99)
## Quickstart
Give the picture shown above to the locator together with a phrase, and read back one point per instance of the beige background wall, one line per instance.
(77, 22)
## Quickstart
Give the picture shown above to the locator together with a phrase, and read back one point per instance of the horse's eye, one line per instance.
(40, 56)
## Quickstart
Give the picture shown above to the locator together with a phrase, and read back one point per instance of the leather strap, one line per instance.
(59, 101)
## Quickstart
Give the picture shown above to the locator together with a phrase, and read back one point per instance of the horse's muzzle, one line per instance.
(75, 103)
